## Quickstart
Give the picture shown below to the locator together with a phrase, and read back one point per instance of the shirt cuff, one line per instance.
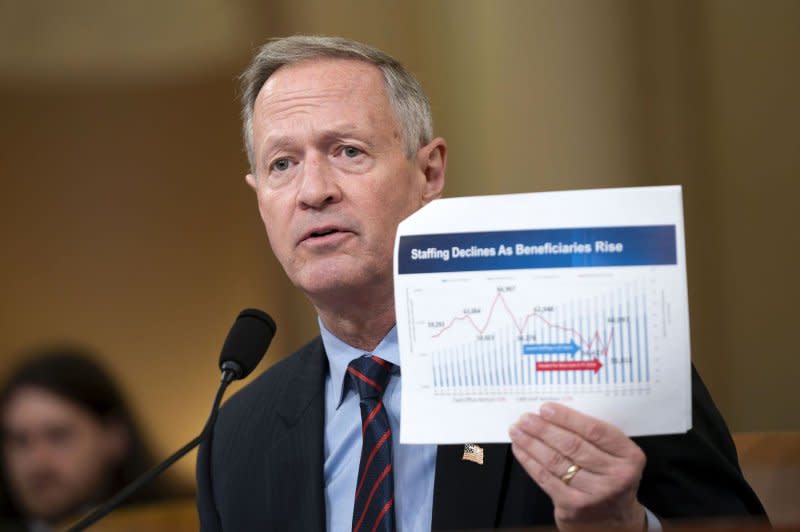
(652, 522)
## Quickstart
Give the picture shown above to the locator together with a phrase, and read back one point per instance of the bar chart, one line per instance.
(487, 336)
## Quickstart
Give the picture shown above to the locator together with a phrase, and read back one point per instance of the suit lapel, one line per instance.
(298, 472)
(306, 385)
(466, 494)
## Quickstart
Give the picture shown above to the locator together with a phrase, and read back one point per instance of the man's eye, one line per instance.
(280, 165)
(350, 151)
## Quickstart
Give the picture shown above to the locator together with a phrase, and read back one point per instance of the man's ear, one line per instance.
(251, 180)
(432, 161)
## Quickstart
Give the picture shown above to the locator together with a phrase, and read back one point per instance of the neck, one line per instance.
(357, 323)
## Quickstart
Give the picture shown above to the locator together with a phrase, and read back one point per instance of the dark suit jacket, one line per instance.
(264, 468)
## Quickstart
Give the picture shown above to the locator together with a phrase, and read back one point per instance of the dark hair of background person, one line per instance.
(73, 374)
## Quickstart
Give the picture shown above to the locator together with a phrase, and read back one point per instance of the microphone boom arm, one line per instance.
(145, 478)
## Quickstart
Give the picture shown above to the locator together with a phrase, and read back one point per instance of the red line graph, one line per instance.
(584, 344)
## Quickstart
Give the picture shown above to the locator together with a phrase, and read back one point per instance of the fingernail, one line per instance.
(546, 412)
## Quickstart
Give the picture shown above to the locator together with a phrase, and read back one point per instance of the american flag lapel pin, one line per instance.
(473, 453)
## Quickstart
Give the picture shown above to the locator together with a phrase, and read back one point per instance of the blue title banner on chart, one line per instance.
(538, 248)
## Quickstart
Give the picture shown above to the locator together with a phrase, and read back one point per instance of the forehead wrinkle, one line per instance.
(289, 101)
(328, 73)
(291, 104)
(291, 86)
(279, 108)
(287, 92)
(278, 95)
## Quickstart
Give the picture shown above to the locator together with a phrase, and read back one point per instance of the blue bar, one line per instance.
(468, 365)
(460, 370)
(454, 368)
(606, 344)
(487, 375)
(528, 369)
(518, 364)
(638, 340)
(618, 341)
(509, 370)
(573, 374)
(446, 371)
(559, 332)
(497, 373)
(478, 373)
(549, 357)
(539, 336)
(591, 319)
(630, 348)
(580, 328)
(646, 335)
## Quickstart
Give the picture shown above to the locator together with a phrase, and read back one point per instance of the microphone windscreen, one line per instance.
(248, 340)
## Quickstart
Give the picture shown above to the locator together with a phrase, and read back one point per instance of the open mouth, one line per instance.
(324, 232)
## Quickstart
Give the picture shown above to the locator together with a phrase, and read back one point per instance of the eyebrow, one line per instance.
(277, 142)
(346, 129)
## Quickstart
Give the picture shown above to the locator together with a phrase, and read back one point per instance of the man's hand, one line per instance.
(603, 491)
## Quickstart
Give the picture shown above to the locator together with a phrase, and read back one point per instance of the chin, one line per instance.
(330, 282)
(326, 285)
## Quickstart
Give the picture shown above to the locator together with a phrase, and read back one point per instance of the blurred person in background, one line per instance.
(69, 441)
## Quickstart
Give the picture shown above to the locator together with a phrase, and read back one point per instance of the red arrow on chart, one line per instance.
(569, 365)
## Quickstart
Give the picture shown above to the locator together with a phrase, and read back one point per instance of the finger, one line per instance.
(563, 446)
(557, 464)
(600, 434)
(561, 493)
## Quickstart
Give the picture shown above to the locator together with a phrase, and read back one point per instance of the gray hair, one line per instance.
(411, 107)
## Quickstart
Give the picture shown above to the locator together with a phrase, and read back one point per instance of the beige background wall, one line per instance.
(125, 222)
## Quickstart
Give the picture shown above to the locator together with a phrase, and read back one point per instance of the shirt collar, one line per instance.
(341, 354)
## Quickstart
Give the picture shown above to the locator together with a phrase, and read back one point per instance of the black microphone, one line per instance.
(247, 341)
(244, 347)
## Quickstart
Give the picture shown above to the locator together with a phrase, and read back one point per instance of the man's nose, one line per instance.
(318, 184)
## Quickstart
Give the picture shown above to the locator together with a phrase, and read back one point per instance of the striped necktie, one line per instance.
(374, 502)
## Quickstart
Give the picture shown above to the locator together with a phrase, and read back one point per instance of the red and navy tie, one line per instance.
(374, 503)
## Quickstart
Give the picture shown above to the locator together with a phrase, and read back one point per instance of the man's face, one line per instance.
(57, 455)
(332, 176)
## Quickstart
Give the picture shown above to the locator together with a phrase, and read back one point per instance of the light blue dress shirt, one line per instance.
(414, 465)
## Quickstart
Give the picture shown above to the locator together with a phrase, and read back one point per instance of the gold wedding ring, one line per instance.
(571, 472)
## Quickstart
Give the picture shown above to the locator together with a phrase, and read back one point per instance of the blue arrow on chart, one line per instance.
(551, 349)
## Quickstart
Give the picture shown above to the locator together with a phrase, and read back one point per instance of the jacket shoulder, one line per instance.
(261, 395)
(233, 466)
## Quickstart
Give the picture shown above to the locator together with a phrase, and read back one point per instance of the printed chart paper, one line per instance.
(506, 302)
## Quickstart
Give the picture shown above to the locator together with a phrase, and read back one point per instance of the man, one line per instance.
(341, 149)
(68, 441)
